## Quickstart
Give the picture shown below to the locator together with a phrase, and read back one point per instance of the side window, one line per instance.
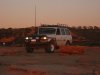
(63, 31)
(58, 32)
(67, 32)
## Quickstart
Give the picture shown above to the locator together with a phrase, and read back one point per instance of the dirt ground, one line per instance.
(15, 61)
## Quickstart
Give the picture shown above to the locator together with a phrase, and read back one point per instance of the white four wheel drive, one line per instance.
(49, 37)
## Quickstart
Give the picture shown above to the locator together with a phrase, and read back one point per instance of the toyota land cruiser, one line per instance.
(49, 37)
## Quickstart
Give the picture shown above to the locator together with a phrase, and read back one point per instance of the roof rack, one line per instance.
(58, 25)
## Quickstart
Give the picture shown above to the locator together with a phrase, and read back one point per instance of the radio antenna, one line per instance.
(35, 9)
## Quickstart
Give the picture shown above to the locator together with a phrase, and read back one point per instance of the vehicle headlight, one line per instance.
(44, 38)
(27, 38)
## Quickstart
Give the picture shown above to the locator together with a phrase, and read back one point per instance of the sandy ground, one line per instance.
(15, 61)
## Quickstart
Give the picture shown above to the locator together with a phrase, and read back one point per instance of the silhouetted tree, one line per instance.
(90, 27)
(85, 27)
(95, 27)
(79, 27)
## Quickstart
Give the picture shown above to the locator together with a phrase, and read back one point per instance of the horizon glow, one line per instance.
(20, 13)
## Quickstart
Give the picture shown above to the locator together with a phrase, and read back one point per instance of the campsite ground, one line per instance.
(15, 61)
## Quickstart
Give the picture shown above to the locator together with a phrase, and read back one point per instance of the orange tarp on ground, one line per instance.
(7, 39)
(72, 49)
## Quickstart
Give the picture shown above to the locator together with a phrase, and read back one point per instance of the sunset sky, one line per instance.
(20, 13)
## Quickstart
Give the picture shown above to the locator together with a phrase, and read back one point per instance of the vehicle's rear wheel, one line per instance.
(29, 49)
(50, 48)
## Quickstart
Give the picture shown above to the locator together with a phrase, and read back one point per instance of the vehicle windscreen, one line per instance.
(47, 30)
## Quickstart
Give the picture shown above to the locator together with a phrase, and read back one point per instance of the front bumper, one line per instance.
(36, 44)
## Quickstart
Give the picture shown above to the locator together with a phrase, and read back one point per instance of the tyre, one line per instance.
(68, 43)
(29, 49)
(50, 48)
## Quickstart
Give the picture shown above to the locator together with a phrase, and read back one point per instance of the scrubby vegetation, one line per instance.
(82, 35)
(86, 35)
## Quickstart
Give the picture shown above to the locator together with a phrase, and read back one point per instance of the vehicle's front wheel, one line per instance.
(68, 43)
(29, 49)
(50, 48)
